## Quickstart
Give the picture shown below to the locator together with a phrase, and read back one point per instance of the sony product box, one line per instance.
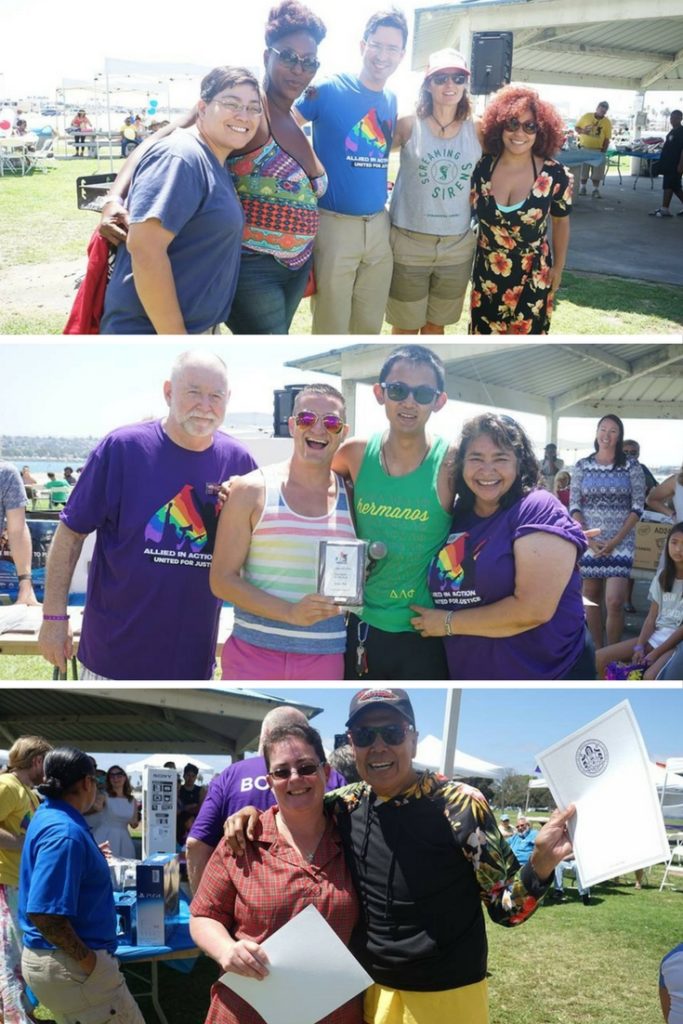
(650, 541)
(158, 886)
(124, 903)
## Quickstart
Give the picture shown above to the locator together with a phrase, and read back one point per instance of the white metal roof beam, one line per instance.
(662, 356)
(556, 13)
(627, 407)
(597, 354)
(592, 81)
(480, 392)
(662, 70)
(590, 50)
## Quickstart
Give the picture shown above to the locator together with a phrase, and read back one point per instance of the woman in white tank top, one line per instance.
(431, 235)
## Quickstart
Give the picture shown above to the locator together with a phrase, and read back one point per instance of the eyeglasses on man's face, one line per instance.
(379, 48)
(393, 735)
(397, 391)
(332, 423)
(291, 60)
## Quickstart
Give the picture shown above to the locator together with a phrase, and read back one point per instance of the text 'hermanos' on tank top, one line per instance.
(432, 190)
(283, 561)
(405, 513)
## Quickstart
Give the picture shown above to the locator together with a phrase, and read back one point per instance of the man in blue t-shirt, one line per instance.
(150, 490)
(353, 119)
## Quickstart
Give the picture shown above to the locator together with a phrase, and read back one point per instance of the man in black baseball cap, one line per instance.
(425, 853)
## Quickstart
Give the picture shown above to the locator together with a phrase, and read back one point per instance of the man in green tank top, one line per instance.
(403, 498)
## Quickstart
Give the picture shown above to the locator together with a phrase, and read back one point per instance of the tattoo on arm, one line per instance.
(59, 931)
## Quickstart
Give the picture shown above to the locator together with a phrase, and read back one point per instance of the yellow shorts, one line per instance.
(466, 1005)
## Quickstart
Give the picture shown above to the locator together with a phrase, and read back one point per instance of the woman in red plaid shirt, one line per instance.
(297, 861)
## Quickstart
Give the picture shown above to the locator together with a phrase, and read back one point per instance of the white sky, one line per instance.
(83, 388)
(48, 40)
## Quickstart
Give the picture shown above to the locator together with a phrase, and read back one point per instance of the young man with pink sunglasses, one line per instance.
(266, 556)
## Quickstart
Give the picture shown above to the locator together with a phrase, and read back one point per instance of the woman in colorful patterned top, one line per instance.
(279, 181)
(515, 188)
(506, 584)
(607, 492)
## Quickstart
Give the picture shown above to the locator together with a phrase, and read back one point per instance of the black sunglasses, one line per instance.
(397, 391)
(393, 735)
(301, 770)
(456, 77)
(513, 123)
(332, 423)
(290, 59)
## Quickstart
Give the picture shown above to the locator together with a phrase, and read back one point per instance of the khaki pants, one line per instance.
(76, 998)
(353, 264)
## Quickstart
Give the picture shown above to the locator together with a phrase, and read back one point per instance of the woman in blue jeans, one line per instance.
(278, 179)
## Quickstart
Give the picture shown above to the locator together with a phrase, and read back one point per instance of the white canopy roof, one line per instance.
(465, 765)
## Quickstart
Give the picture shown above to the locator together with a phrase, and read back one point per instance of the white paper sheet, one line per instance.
(311, 973)
(603, 768)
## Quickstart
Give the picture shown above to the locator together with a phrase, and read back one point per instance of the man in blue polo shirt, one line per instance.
(66, 902)
(354, 117)
(523, 841)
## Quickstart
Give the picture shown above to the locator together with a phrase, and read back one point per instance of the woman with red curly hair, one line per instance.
(516, 186)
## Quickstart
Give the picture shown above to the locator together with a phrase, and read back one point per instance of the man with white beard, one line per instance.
(150, 490)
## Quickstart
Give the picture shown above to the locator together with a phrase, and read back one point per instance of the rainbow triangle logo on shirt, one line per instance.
(370, 137)
(179, 523)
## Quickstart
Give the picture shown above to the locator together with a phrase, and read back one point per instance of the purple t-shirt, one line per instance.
(477, 566)
(149, 612)
(239, 785)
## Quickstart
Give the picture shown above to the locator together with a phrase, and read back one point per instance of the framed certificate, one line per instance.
(341, 570)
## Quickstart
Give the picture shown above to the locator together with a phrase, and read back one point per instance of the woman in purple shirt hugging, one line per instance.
(506, 584)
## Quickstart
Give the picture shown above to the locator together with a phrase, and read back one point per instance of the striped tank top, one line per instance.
(283, 561)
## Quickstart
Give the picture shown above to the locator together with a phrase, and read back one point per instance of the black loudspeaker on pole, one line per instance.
(283, 403)
(491, 62)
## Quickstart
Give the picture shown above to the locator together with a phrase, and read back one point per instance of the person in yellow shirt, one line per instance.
(17, 804)
(594, 131)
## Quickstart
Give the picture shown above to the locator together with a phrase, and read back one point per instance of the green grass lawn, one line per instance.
(40, 224)
(569, 964)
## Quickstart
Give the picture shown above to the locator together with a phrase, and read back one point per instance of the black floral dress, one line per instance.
(511, 275)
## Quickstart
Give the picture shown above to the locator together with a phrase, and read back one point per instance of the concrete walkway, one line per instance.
(614, 235)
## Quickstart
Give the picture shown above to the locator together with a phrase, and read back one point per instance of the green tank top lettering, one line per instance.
(405, 513)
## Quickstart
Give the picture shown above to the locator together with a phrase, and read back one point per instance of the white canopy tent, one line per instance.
(430, 752)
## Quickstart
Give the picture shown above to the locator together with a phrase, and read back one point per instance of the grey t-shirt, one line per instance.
(12, 491)
(432, 190)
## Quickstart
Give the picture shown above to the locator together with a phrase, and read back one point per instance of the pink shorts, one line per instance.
(242, 660)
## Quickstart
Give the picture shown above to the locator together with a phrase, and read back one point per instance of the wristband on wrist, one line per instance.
(24, 576)
(447, 623)
(55, 618)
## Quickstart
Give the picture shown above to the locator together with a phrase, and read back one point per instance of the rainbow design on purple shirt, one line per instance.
(370, 135)
(179, 522)
(450, 559)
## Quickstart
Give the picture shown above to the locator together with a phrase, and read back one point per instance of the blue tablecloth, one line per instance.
(574, 157)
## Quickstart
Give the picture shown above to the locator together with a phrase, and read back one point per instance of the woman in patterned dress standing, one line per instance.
(607, 492)
(516, 188)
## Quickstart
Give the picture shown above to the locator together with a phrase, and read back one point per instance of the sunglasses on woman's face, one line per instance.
(291, 60)
(397, 391)
(332, 423)
(117, 775)
(513, 123)
(456, 77)
(301, 770)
